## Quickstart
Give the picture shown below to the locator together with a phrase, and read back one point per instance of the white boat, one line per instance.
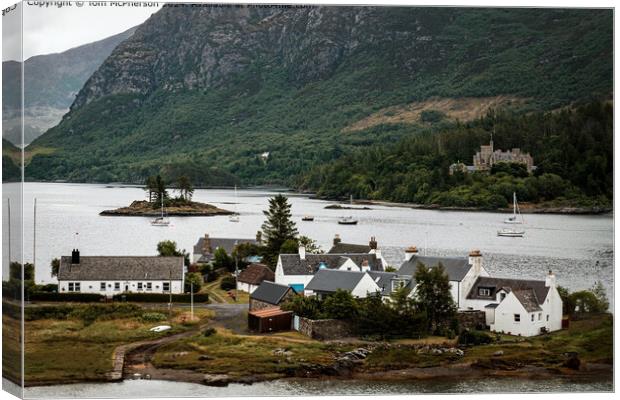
(347, 221)
(510, 233)
(160, 328)
(235, 216)
(307, 218)
(162, 220)
(516, 217)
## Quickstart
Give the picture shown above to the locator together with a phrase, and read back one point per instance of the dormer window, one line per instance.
(502, 296)
(484, 292)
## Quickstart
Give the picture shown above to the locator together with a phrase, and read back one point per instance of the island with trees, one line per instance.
(158, 197)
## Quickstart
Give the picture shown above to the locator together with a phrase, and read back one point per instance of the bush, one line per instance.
(93, 312)
(161, 297)
(228, 283)
(209, 332)
(468, 337)
(76, 297)
(49, 288)
(48, 312)
(152, 317)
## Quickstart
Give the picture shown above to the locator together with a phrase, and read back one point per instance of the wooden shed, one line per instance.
(270, 320)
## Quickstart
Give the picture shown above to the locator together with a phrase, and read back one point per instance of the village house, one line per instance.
(518, 307)
(252, 276)
(328, 281)
(297, 270)
(462, 272)
(206, 246)
(390, 282)
(110, 275)
(270, 295)
(338, 247)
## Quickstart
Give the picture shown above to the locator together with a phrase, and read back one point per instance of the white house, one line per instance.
(338, 247)
(462, 272)
(327, 281)
(297, 270)
(518, 307)
(252, 276)
(109, 275)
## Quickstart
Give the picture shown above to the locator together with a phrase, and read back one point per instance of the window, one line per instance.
(76, 286)
(149, 286)
(539, 316)
(502, 296)
(486, 292)
(166, 286)
(547, 317)
(117, 286)
(139, 285)
(71, 286)
(102, 286)
(532, 317)
(517, 317)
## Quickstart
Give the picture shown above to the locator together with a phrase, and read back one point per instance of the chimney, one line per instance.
(206, 245)
(337, 239)
(410, 252)
(550, 279)
(302, 252)
(372, 243)
(365, 266)
(75, 256)
(475, 259)
(259, 237)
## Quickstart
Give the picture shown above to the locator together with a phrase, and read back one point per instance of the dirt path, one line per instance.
(136, 357)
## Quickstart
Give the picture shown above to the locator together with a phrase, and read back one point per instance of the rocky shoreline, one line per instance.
(141, 208)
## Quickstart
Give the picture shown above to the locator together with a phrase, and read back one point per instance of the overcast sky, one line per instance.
(55, 29)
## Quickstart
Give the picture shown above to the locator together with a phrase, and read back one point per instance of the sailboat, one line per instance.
(514, 219)
(348, 220)
(162, 220)
(235, 216)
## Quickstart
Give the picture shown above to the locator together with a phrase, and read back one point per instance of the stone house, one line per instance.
(270, 295)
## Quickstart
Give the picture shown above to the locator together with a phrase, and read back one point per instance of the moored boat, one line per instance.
(347, 221)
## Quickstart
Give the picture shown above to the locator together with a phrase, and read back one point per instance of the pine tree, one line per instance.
(279, 227)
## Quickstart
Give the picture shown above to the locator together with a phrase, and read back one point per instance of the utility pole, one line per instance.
(170, 297)
(8, 203)
(191, 291)
(34, 237)
(236, 268)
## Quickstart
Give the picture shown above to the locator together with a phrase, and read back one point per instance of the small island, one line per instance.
(340, 207)
(160, 202)
(143, 208)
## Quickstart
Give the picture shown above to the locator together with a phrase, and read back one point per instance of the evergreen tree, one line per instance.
(278, 228)
(185, 187)
(55, 265)
(168, 248)
(433, 296)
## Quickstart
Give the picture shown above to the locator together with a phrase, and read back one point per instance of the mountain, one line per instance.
(260, 94)
(51, 83)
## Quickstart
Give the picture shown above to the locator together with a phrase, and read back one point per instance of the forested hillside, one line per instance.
(572, 149)
(213, 88)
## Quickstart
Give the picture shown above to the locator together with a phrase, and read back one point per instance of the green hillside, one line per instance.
(211, 89)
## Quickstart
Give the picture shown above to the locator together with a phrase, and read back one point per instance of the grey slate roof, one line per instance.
(383, 280)
(346, 248)
(115, 268)
(225, 243)
(455, 267)
(293, 265)
(530, 293)
(330, 280)
(270, 292)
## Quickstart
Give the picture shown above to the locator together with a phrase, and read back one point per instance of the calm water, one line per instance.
(146, 389)
(579, 249)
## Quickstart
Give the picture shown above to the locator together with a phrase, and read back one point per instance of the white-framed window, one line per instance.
(166, 286)
(486, 292)
(139, 285)
(532, 317)
(547, 317)
(117, 286)
(149, 286)
(517, 317)
(502, 296)
(74, 286)
(539, 316)
(102, 286)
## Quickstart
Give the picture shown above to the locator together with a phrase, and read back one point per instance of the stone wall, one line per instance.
(471, 320)
(325, 329)
(260, 305)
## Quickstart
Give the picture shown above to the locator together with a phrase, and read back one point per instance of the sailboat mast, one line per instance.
(514, 204)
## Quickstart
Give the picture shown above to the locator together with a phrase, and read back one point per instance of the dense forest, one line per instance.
(572, 148)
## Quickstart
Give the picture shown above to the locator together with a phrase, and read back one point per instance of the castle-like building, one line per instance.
(488, 156)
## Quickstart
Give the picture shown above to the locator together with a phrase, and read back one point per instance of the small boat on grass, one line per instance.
(347, 221)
